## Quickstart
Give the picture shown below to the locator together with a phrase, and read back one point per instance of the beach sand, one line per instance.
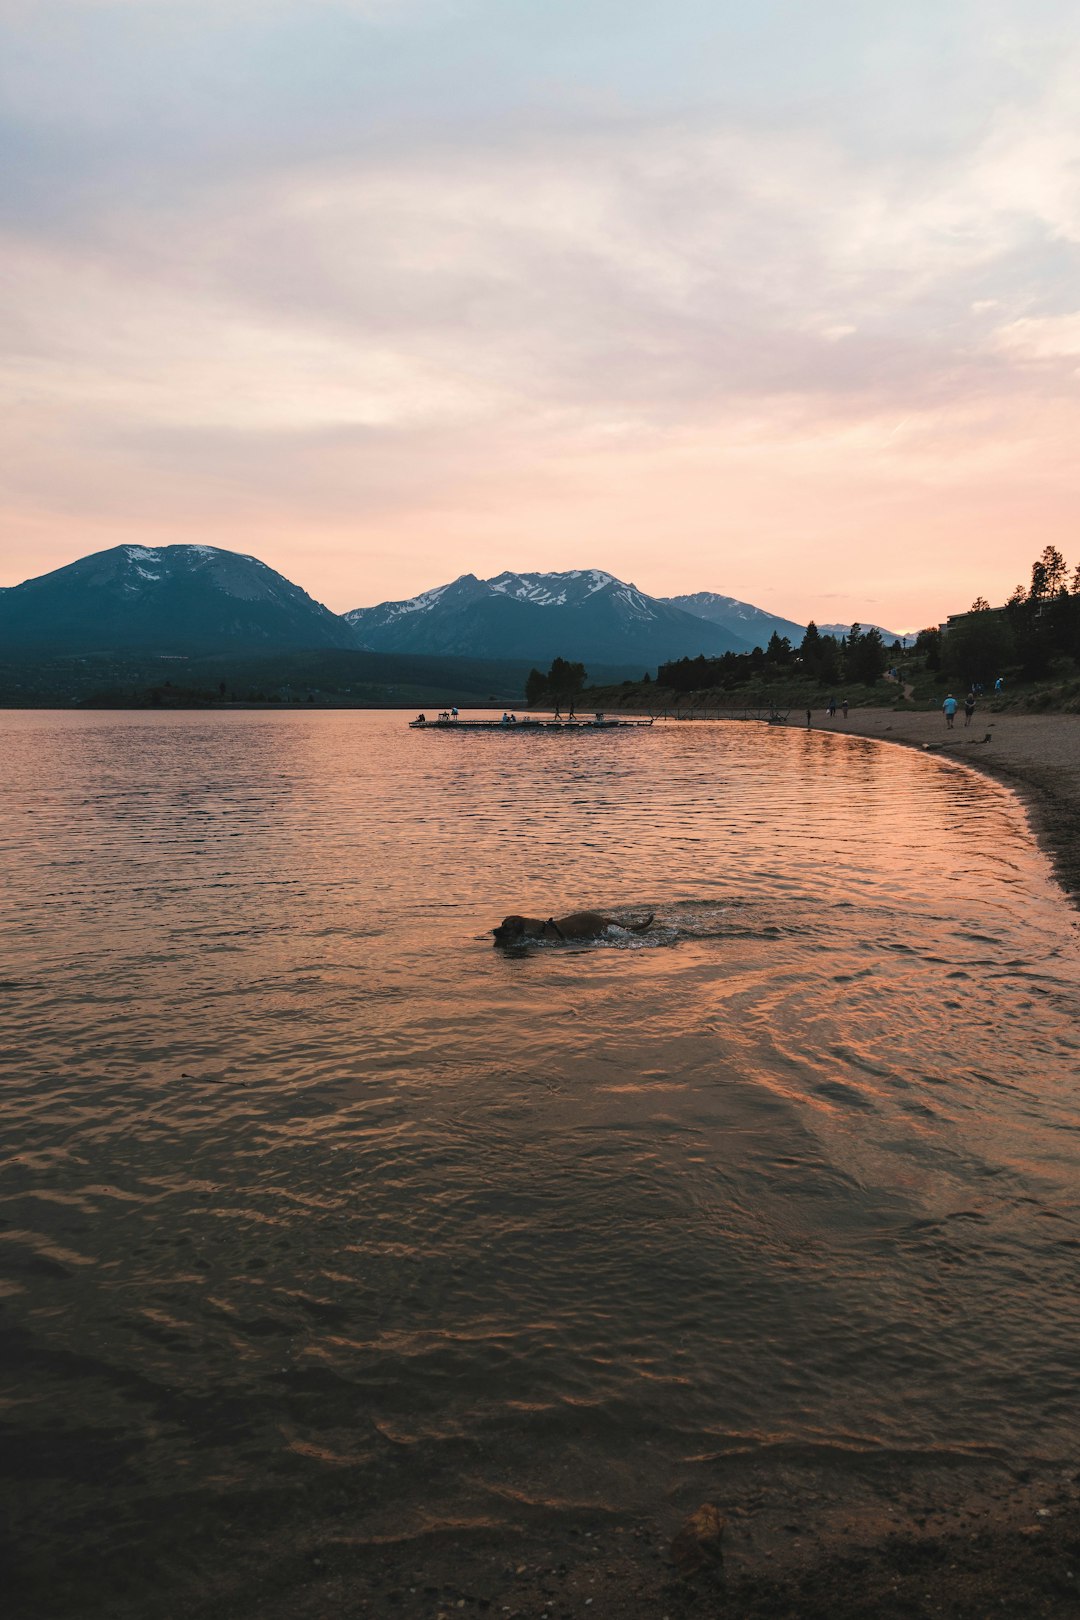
(1036, 754)
(1011, 1552)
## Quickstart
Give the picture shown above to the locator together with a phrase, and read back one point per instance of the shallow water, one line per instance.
(308, 1189)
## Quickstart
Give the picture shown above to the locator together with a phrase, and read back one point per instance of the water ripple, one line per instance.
(303, 1179)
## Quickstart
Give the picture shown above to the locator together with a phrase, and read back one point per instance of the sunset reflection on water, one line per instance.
(306, 1184)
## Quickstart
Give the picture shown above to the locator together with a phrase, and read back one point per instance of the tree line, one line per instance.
(859, 658)
(1032, 634)
(560, 685)
(1037, 629)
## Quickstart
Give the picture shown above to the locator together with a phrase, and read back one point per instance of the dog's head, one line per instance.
(514, 929)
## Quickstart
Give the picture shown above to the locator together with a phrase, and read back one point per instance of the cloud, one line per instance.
(646, 274)
(1052, 337)
(433, 262)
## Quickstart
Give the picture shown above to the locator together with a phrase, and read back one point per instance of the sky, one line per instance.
(774, 299)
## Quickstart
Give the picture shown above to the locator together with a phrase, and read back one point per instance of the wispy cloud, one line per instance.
(465, 271)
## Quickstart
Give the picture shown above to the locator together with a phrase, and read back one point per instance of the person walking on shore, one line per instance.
(950, 707)
(844, 706)
(969, 708)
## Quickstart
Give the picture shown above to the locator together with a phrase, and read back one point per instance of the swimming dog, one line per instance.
(579, 925)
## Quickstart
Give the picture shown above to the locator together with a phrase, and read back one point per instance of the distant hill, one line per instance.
(178, 599)
(751, 624)
(584, 614)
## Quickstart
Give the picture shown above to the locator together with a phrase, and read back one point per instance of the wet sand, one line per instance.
(1038, 755)
(938, 1551)
(1011, 1549)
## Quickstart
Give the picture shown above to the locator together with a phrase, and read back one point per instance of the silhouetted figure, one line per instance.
(844, 707)
(969, 708)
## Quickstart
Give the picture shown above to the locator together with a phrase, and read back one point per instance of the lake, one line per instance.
(323, 1219)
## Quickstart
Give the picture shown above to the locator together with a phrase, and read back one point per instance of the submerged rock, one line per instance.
(698, 1544)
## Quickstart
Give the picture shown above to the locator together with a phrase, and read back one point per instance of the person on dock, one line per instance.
(949, 708)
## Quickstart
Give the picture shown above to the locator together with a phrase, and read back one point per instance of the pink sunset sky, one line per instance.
(780, 301)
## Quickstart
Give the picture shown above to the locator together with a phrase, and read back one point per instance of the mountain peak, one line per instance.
(166, 598)
(584, 613)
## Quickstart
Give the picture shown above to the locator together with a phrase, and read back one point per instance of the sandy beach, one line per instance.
(1036, 754)
(1011, 1549)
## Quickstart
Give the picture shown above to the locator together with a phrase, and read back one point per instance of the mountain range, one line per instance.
(584, 613)
(193, 599)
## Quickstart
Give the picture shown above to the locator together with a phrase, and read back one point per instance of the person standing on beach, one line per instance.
(969, 708)
(950, 707)
(844, 706)
(808, 719)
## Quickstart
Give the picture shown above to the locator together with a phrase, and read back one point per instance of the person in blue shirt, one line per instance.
(949, 706)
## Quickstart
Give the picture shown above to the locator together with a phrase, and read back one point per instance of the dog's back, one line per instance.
(578, 925)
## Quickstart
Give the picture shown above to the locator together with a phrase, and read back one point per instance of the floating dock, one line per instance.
(598, 723)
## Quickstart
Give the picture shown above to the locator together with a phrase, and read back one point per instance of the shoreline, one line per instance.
(1003, 1539)
(1037, 755)
(1012, 1552)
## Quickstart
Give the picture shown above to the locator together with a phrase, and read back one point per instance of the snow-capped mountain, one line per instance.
(192, 599)
(168, 599)
(584, 614)
(753, 625)
(887, 636)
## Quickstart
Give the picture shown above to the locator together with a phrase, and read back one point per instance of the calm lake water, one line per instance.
(316, 1206)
